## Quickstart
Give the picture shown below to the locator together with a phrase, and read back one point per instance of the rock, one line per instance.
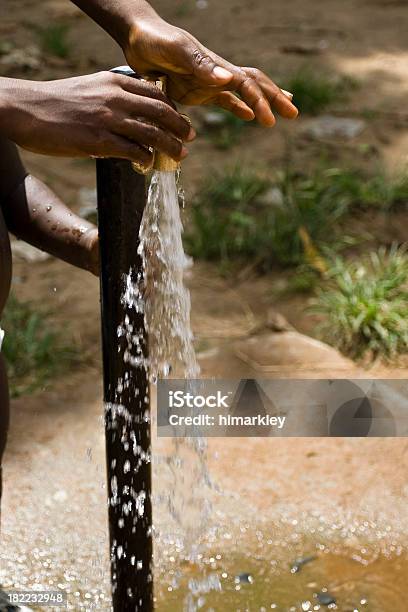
(214, 120)
(26, 252)
(325, 599)
(310, 48)
(297, 565)
(272, 197)
(275, 321)
(25, 60)
(290, 352)
(328, 126)
(244, 579)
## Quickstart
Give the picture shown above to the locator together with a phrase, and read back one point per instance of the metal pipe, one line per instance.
(121, 201)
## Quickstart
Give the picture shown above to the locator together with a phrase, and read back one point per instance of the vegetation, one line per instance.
(34, 352)
(241, 215)
(365, 304)
(228, 132)
(314, 92)
(54, 39)
(233, 216)
(226, 217)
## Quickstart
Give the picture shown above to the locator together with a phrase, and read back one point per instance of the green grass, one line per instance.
(183, 8)
(382, 191)
(316, 204)
(225, 217)
(228, 133)
(313, 91)
(230, 220)
(34, 349)
(54, 41)
(365, 304)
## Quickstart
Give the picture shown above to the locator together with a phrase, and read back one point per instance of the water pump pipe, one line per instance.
(122, 198)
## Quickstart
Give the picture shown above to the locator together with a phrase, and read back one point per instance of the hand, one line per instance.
(196, 75)
(100, 115)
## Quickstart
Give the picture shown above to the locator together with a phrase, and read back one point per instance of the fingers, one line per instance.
(161, 114)
(252, 94)
(153, 104)
(122, 148)
(201, 63)
(153, 136)
(141, 88)
(279, 99)
(259, 93)
(235, 105)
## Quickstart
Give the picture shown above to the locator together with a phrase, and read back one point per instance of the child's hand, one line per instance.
(100, 115)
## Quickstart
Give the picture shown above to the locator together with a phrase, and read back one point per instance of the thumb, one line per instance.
(205, 69)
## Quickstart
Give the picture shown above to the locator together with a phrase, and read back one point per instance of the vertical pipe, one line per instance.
(121, 201)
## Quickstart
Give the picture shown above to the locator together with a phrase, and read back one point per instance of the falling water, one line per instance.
(166, 299)
(182, 483)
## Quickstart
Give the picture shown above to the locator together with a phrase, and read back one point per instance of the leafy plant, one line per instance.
(314, 91)
(365, 304)
(54, 39)
(34, 352)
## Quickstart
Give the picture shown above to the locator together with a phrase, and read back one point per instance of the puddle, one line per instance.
(232, 584)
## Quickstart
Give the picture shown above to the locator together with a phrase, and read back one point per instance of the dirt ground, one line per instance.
(53, 482)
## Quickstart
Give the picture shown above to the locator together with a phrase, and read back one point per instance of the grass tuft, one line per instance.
(314, 92)
(225, 217)
(233, 217)
(33, 350)
(54, 39)
(365, 304)
(228, 133)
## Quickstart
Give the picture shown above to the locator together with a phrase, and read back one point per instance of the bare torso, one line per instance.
(5, 263)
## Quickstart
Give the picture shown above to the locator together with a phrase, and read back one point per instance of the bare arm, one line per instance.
(117, 17)
(35, 214)
(196, 75)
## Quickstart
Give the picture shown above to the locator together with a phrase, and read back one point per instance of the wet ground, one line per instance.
(342, 500)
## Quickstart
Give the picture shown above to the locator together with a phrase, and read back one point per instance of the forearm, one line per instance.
(36, 215)
(117, 17)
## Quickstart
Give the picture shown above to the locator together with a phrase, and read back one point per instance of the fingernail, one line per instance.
(287, 94)
(191, 135)
(222, 73)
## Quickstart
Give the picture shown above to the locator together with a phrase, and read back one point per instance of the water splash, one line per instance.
(166, 299)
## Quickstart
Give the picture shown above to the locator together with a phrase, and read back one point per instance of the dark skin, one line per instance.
(111, 115)
(32, 212)
(98, 115)
(195, 74)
